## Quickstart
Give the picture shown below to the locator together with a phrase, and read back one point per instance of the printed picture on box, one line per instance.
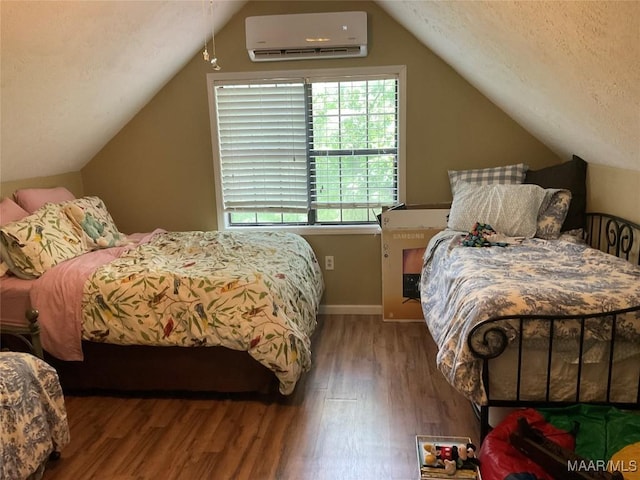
(411, 267)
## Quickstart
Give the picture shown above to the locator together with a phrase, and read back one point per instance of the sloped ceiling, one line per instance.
(567, 71)
(74, 73)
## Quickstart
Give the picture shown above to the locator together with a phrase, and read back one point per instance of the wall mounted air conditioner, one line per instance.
(306, 36)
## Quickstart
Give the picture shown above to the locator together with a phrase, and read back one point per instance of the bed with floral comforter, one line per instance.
(256, 292)
(463, 287)
(32, 415)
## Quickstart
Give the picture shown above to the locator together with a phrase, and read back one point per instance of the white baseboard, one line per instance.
(351, 309)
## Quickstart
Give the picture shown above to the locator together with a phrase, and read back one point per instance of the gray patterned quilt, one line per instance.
(33, 416)
(464, 286)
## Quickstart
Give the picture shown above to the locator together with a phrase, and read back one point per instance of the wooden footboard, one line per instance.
(506, 336)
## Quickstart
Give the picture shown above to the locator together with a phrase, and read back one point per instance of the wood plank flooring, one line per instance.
(373, 387)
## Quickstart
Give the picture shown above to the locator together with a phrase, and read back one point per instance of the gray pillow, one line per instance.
(511, 174)
(510, 209)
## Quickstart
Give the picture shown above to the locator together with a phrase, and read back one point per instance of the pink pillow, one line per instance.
(31, 199)
(10, 211)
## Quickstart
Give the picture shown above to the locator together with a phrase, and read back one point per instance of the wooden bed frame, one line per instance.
(605, 232)
(138, 368)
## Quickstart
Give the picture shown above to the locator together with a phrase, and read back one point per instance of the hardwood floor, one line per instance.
(373, 387)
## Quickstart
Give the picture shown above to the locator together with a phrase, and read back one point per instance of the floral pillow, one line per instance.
(91, 216)
(553, 213)
(40, 241)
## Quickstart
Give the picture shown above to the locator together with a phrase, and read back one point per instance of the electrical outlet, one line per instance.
(328, 262)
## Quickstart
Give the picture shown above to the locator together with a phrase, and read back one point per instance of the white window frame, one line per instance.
(399, 70)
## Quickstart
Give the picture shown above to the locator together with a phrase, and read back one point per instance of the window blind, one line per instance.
(263, 146)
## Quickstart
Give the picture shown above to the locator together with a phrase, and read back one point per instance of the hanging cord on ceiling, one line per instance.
(205, 54)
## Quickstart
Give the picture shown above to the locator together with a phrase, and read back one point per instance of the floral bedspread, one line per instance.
(257, 292)
(464, 286)
(32, 415)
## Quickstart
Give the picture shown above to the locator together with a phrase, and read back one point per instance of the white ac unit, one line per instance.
(304, 36)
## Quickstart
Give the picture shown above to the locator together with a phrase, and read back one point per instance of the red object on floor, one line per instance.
(498, 458)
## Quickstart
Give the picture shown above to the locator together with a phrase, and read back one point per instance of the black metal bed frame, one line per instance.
(25, 337)
(488, 340)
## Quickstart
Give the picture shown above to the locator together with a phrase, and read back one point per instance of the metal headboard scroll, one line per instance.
(614, 235)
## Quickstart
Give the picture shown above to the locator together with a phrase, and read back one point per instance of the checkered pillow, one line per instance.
(509, 174)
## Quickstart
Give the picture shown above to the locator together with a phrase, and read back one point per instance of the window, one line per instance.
(306, 148)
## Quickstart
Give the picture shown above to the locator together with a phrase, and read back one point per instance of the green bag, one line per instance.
(600, 431)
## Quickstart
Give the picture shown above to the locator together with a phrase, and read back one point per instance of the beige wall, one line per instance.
(72, 181)
(613, 190)
(158, 171)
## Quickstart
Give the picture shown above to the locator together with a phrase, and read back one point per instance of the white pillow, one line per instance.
(510, 209)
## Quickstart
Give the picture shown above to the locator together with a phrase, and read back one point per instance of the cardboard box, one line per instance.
(405, 235)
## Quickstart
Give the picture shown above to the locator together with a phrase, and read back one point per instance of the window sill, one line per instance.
(369, 229)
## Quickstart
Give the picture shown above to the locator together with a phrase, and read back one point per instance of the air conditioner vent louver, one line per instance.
(306, 53)
(348, 51)
(306, 36)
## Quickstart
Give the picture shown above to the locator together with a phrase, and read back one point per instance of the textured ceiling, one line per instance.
(75, 72)
(567, 71)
